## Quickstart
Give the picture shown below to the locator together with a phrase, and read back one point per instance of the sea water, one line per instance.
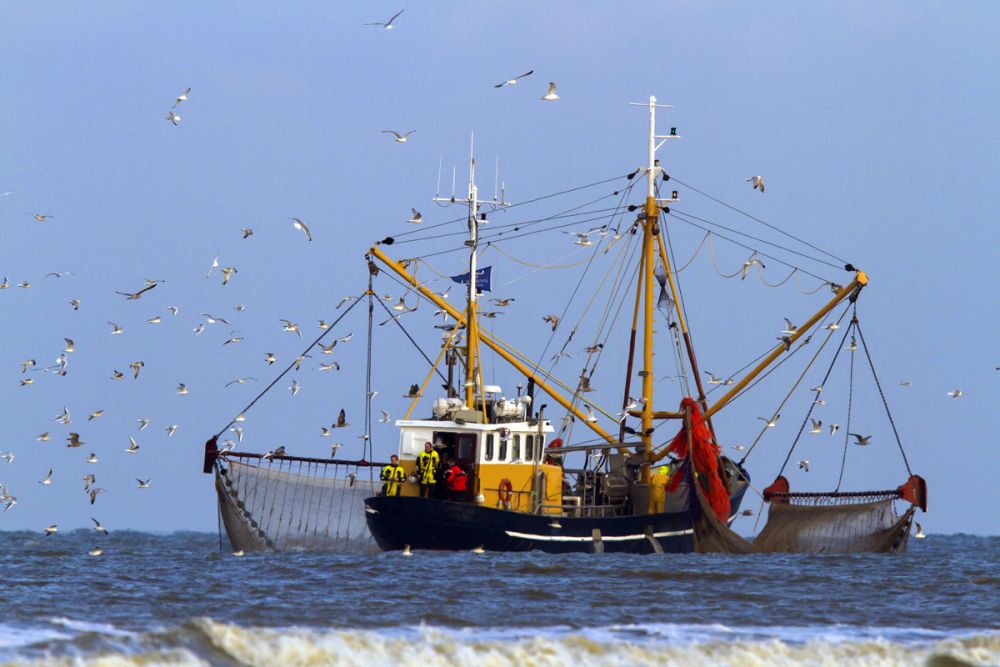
(178, 599)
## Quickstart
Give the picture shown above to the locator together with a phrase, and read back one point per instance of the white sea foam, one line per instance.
(657, 644)
(12, 636)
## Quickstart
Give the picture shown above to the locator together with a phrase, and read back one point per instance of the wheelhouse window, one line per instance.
(503, 450)
(540, 449)
(489, 447)
(529, 448)
(516, 450)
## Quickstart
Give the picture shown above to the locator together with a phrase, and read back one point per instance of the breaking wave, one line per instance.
(209, 642)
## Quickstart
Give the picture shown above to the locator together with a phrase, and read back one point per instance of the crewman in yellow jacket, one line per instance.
(427, 466)
(392, 477)
(658, 489)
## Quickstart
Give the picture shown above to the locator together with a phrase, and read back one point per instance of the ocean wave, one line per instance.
(210, 642)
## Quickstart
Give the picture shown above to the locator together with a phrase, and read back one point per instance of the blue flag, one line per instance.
(484, 277)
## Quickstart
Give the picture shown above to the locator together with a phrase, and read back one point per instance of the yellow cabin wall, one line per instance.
(491, 474)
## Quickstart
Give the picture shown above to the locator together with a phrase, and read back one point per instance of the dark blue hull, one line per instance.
(424, 523)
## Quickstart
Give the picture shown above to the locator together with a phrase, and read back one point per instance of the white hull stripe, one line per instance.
(588, 538)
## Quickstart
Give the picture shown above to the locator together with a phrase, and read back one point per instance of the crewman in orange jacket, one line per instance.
(456, 480)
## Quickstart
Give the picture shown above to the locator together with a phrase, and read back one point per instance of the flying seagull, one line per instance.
(861, 439)
(302, 227)
(387, 25)
(551, 95)
(173, 118)
(957, 393)
(399, 138)
(758, 182)
(512, 82)
(181, 98)
(415, 217)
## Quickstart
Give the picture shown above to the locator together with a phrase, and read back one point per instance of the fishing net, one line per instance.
(279, 504)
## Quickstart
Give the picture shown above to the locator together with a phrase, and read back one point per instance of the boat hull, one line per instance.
(424, 523)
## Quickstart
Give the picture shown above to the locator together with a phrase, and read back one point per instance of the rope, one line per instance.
(850, 404)
(798, 285)
(813, 405)
(884, 401)
(289, 367)
(711, 252)
(395, 319)
(367, 447)
(696, 251)
(536, 266)
(766, 224)
(797, 382)
(779, 283)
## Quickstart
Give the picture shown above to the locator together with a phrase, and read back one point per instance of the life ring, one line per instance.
(505, 492)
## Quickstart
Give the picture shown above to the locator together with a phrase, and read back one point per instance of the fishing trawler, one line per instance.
(634, 491)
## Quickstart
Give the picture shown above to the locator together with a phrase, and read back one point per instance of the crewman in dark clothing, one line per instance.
(392, 477)
(427, 466)
(456, 480)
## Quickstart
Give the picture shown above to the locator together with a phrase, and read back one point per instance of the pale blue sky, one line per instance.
(874, 125)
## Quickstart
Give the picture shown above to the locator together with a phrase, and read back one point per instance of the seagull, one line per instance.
(74, 440)
(739, 448)
(135, 366)
(771, 423)
(292, 327)
(88, 480)
(98, 527)
(862, 439)
(553, 320)
(414, 392)
(117, 375)
(278, 451)
(295, 388)
(227, 273)
(415, 217)
(905, 383)
(712, 379)
(747, 512)
(6, 498)
(346, 339)
(171, 429)
(385, 417)
(270, 358)
(513, 82)
(59, 274)
(331, 366)
(334, 448)
(406, 551)
(133, 446)
(817, 426)
(213, 267)
(551, 95)
(48, 479)
(132, 296)
(853, 345)
(94, 415)
(234, 339)
(957, 393)
(239, 554)
(341, 419)
(44, 437)
(115, 329)
(399, 138)
(804, 465)
(758, 182)
(791, 329)
(24, 284)
(27, 381)
(51, 530)
(42, 218)
(211, 319)
(143, 423)
(833, 428)
(241, 381)
(93, 494)
(346, 299)
(143, 484)
(155, 320)
(818, 388)
(64, 417)
(247, 232)
(70, 346)
(238, 431)
(182, 389)
(920, 532)
(173, 118)
(832, 326)
(749, 263)
(96, 551)
(502, 303)
(200, 329)
(302, 227)
(181, 98)
(92, 458)
(388, 24)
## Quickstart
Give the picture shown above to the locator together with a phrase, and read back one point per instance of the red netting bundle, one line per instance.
(706, 460)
